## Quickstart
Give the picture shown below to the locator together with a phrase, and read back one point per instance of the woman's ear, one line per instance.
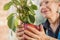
(59, 4)
(58, 10)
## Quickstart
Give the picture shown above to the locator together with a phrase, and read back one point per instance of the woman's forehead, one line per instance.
(47, 0)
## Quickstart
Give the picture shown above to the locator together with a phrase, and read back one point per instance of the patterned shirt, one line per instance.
(49, 31)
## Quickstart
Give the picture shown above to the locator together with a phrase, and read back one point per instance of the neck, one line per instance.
(54, 19)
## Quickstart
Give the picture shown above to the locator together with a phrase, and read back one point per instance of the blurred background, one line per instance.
(5, 33)
(3, 22)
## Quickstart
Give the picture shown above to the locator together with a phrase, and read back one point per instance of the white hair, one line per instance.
(57, 0)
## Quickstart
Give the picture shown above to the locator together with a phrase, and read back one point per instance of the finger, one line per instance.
(20, 38)
(20, 26)
(30, 34)
(41, 28)
(34, 30)
(19, 30)
(29, 38)
(20, 34)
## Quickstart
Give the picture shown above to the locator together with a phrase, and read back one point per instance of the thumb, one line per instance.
(41, 28)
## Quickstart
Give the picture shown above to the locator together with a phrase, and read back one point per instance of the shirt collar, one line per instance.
(47, 24)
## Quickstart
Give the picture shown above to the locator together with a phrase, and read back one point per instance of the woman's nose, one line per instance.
(43, 5)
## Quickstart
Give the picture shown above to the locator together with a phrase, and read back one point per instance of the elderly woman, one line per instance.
(51, 28)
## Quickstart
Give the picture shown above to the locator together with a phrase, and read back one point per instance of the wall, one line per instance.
(3, 22)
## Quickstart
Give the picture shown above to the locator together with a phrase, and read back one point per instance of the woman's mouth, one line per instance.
(43, 10)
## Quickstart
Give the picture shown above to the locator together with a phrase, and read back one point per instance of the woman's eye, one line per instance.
(46, 2)
(40, 4)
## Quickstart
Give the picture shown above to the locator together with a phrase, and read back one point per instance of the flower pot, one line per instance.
(30, 25)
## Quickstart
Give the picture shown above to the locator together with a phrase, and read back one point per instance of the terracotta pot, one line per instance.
(30, 25)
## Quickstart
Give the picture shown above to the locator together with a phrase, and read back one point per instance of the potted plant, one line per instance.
(25, 12)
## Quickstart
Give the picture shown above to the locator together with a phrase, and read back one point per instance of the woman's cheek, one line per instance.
(53, 8)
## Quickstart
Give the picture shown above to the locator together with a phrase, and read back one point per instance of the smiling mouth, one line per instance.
(44, 11)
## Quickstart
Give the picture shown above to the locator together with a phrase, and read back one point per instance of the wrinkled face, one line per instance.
(48, 8)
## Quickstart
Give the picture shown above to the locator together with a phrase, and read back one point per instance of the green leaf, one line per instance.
(31, 2)
(16, 2)
(31, 19)
(26, 8)
(31, 11)
(34, 7)
(10, 16)
(16, 22)
(12, 21)
(7, 6)
(23, 2)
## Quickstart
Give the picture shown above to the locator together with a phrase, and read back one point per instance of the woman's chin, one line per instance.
(45, 16)
(48, 17)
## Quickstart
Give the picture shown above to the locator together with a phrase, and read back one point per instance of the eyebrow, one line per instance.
(42, 2)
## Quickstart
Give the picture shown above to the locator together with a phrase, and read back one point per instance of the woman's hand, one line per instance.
(20, 32)
(34, 34)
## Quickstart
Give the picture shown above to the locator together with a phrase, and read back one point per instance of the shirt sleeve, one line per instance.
(59, 36)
